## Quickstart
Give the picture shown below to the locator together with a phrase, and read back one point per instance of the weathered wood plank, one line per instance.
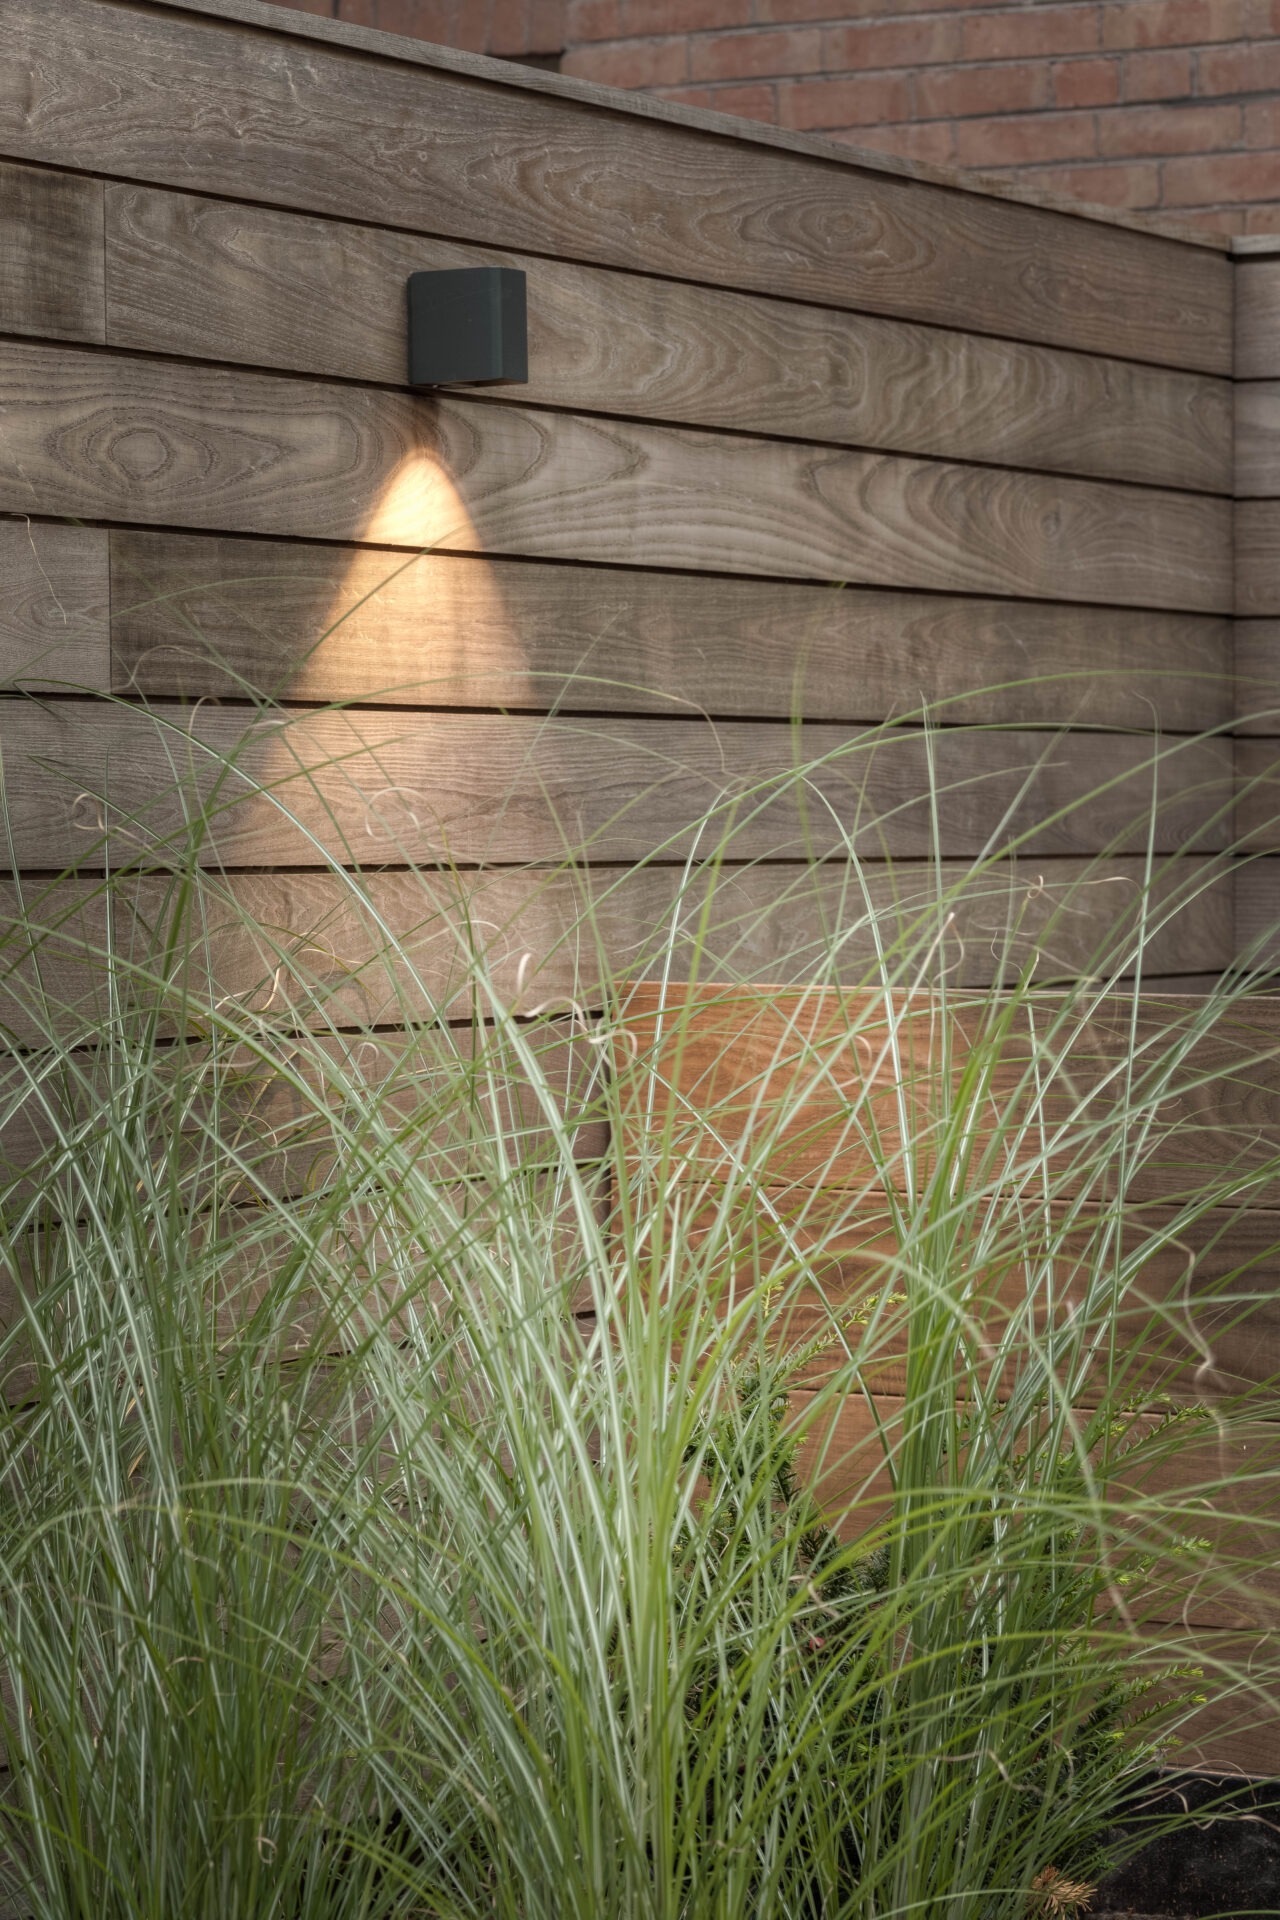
(385, 948)
(1257, 898)
(51, 255)
(1257, 319)
(1202, 1323)
(225, 281)
(844, 1453)
(1257, 549)
(196, 615)
(54, 608)
(248, 1257)
(95, 436)
(1258, 439)
(274, 1120)
(378, 787)
(1257, 676)
(299, 124)
(720, 126)
(1237, 1731)
(820, 1079)
(1258, 795)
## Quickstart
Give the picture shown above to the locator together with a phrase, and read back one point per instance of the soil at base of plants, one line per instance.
(1226, 1864)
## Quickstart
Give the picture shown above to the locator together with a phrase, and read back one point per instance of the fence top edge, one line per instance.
(341, 34)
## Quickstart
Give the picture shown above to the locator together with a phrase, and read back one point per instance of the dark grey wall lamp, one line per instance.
(468, 327)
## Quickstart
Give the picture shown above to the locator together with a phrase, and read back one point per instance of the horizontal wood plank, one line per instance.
(838, 1100)
(99, 437)
(1237, 1730)
(298, 124)
(55, 606)
(1258, 439)
(196, 615)
(224, 281)
(844, 1458)
(649, 106)
(1201, 1322)
(1257, 897)
(382, 949)
(51, 255)
(377, 788)
(1258, 795)
(1257, 319)
(276, 1119)
(1257, 676)
(1257, 548)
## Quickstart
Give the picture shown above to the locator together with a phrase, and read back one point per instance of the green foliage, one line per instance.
(403, 1512)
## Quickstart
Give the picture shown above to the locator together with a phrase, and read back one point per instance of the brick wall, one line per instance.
(1158, 104)
(512, 29)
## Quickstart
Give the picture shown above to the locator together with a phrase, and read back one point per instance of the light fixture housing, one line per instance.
(468, 326)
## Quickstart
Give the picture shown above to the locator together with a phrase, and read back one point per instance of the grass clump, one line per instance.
(611, 1457)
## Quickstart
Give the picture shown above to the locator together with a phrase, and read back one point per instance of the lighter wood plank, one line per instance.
(1257, 319)
(386, 948)
(54, 609)
(225, 281)
(1202, 1323)
(303, 125)
(51, 255)
(1257, 439)
(843, 1456)
(812, 1072)
(95, 436)
(198, 616)
(1236, 1731)
(378, 788)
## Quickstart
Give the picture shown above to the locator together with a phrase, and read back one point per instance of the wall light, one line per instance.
(468, 327)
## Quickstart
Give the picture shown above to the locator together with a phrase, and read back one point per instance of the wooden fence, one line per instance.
(807, 437)
(812, 1072)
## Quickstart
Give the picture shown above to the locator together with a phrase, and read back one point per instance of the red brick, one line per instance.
(322, 7)
(1132, 131)
(748, 56)
(933, 141)
(684, 16)
(592, 20)
(1025, 139)
(1086, 83)
(1257, 220)
(1031, 35)
(433, 20)
(630, 63)
(470, 31)
(1157, 76)
(1249, 69)
(1136, 185)
(1262, 123)
(798, 11)
(508, 27)
(866, 100)
(749, 103)
(890, 43)
(546, 26)
(1169, 23)
(1221, 219)
(1210, 179)
(525, 26)
(972, 90)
